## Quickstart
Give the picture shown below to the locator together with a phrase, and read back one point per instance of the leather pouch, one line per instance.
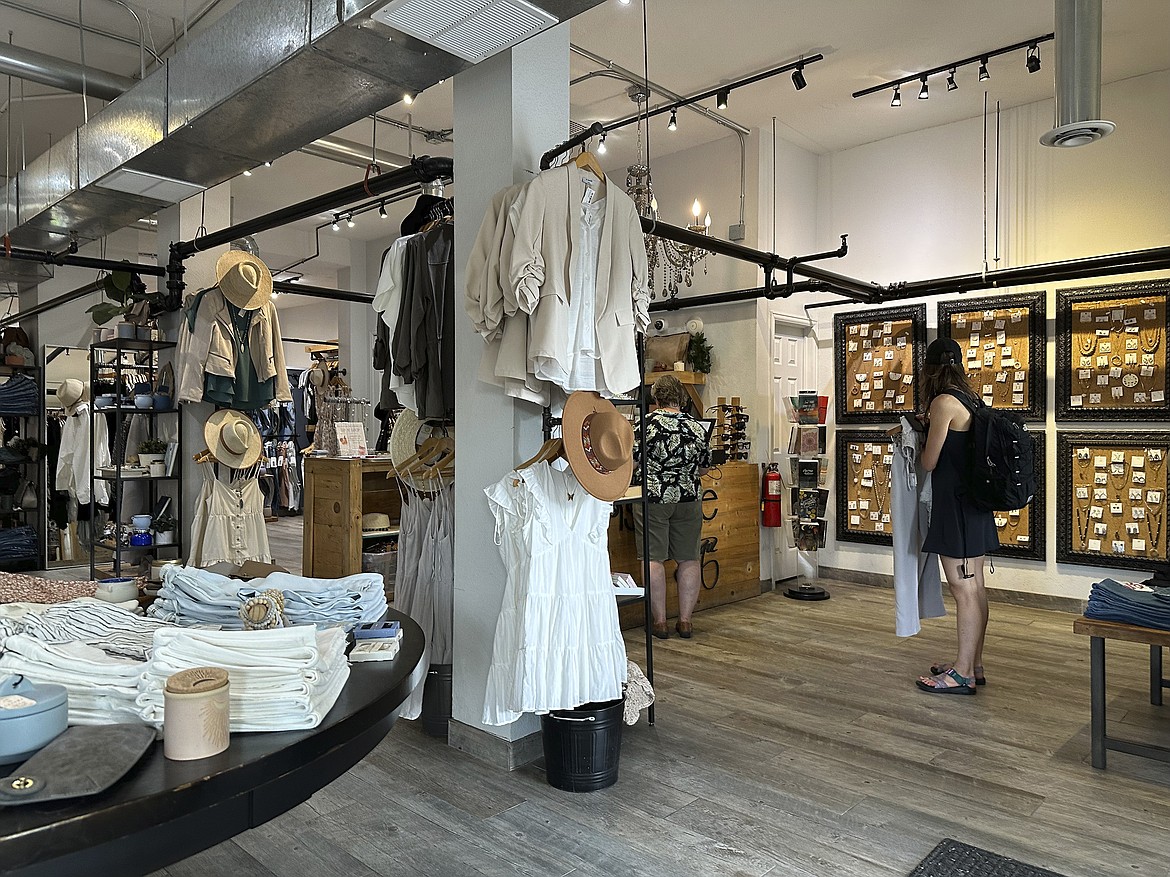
(81, 761)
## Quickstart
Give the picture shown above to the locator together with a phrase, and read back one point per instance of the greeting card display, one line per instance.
(878, 359)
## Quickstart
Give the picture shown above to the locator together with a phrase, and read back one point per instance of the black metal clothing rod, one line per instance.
(64, 298)
(742, 295)
(420, 170)
(944, 68)
(573, 142)
(285, 287)
(68, 260)
(701, 96)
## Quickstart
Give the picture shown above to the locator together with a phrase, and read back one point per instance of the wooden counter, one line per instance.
(337, 493)
(734, 521)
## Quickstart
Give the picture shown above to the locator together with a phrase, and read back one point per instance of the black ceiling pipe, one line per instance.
(740, 295)
(285, 287)
(46, 257)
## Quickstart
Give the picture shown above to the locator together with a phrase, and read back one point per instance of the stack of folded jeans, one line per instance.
(18, 543)
(1130, 603)
(18, 395)
(280, 680)
(195, 596)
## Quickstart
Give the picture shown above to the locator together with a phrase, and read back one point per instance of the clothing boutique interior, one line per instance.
(810, 364)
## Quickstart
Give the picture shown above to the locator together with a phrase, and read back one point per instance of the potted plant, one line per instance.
(699, 353)
(152, 450)
(164, 529)
(129, 299)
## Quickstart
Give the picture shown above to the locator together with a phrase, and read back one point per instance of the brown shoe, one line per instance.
(661, 631)
(685, 629)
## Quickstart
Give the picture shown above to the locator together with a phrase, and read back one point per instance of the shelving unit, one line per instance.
(28, 426)
(806, 474)
(333, 538)
(111, 357)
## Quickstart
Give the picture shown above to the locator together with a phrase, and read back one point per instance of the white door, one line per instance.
(793, 369)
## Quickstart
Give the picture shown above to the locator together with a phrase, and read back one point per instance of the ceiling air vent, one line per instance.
(147, 185)
(1078, 76)
(469, 29)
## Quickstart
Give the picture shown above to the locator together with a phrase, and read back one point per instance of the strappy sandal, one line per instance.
(939, 669)
(964, 685)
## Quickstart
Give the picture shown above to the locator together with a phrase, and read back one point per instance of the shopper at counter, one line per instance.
(677, 455)
(959, 533)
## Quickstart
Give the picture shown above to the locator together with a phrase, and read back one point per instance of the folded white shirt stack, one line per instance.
(280, 680)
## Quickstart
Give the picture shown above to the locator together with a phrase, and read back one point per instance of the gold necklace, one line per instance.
(1083, 532)
(1155, 465)
(1088, 344)
(1154, 530)
(1148, 343)
(1120, 486)
(879, 466)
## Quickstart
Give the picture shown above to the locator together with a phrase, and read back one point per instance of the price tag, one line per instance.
(1139, 544)
(1094, 544)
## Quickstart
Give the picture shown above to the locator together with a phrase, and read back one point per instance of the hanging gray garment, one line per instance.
(423, 350)
(917, 583)
(411, 596)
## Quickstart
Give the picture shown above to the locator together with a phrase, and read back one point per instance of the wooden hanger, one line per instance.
(427, 454)
(549, 451)
(204, 456)
(588, 161)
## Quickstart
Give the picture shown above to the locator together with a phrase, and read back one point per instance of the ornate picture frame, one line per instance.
(1111, 353)
(864, 388)
(1004, 341)
(855, 458)
(1116, 486)
(1031, 521)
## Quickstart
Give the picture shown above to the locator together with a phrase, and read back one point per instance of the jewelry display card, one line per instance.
(1003, 342)
(1111, 353)
(864, 462)
(1115, 515)
(878, 359)
(1021, 532)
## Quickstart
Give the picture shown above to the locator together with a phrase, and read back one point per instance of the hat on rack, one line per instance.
(317, 376)
(944, 351)
(243, 279)
(232, 439)
(376, 524)
(599, 444)
(70, 393)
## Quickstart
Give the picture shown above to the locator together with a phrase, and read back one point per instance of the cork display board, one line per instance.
(1021, 532)
(1003, 349)
(878, 359)
(864, 461)
(1111, 353)
(1116, 512)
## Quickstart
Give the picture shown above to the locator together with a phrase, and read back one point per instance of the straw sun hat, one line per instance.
(599, 444)
(69, 393)
(243, 279)
(232, 439)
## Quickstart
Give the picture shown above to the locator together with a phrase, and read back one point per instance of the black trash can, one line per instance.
(436, 705)
(582, 746)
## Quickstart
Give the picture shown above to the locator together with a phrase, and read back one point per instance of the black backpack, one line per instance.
(1000, 476)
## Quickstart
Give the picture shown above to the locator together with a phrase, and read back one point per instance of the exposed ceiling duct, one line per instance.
(352, 152)
(265, 79)
(47, 70)
(1078, 75)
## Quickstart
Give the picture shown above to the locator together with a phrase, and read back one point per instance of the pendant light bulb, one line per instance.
(707, 221)
(382, 210)
(601, 150)
(951, 84)
(897, 99)
(722, 98)
(408, 98)
(654, 205)
(984, 75)
(696, 209)
(924, 92)
(335, 226)
(673, 125)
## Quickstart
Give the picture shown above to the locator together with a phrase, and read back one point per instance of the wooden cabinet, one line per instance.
(731, 570)
(337, 493)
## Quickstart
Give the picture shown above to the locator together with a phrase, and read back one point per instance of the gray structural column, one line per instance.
(510, 109)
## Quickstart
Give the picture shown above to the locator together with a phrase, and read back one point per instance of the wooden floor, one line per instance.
(789, 741)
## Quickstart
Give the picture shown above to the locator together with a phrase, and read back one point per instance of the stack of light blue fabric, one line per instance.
(195, 596)
(1130, 603)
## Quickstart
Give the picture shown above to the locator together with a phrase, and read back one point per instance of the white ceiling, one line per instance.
(693, 46)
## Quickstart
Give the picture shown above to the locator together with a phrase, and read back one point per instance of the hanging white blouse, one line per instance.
(229, 523)
(73, 460)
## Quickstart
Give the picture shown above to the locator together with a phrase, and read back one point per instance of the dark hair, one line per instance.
(937, 379)
(668, 390)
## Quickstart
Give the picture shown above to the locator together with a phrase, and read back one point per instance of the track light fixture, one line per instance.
(601, 150)
(408, 98)
(722, 97)
(382, 210)
(349, 221)
(268, 164)
(798, 80)
(897, 101)
(335, 226)
(673, 124)
(951, 68)
(247, 173)
(1033, 61)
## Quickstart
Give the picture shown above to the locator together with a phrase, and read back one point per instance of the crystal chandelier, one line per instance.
(677, 261)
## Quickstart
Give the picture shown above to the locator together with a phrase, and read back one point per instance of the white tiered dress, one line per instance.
(558, 644)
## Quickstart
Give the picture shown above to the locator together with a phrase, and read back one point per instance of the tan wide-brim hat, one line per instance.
(69, 393)
(243, 279)
(317, 375)
(232, 439)
(599, 445)
(375, 523)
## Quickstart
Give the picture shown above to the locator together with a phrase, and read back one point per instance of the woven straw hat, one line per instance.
(232, 439)
(375, 523)
(243, 279)
(599, 444)
(70, 393)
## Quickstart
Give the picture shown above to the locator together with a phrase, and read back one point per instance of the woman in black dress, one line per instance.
(959, 533)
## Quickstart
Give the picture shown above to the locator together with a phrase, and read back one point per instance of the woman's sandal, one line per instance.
(939, 669)
(938, 684)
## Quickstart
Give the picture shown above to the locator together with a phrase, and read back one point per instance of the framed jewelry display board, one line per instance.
(879, 356)
(1111, 353)
(1021, 532)
(864, 462)
(1116, 514)
(1003, 341)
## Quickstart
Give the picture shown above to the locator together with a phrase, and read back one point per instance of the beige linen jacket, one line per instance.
(542, 264)
(208, 348)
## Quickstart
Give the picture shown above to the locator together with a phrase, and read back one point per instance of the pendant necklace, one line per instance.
(1149, 343)
(1154, 527)
(1088, 344)
(1083, 531)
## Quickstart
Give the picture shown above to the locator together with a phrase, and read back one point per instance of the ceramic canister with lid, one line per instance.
(31, 715)
(196, 713)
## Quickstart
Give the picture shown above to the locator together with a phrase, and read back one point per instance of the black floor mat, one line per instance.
(953, 859)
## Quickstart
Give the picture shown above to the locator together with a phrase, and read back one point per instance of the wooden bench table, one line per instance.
(1098, 632)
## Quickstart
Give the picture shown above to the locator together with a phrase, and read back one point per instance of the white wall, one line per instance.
(913, 207)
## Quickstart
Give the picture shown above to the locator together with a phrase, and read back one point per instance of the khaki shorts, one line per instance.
(675, 530)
